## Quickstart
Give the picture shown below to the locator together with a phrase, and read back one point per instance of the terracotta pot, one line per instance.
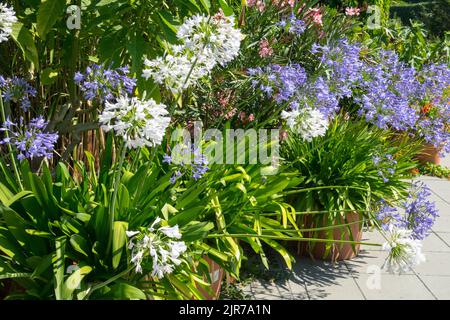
(217, 273)
(428, 154)
(339, 251)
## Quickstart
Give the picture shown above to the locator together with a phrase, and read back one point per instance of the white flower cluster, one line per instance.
(7, 19)
(156, 243)
(206, 42)
(404, 251)
(140, 123)
(308, 123)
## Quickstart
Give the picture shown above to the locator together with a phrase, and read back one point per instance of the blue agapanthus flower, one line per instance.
(17, 90)
(418, 212)
(105, 84)
(29, 139)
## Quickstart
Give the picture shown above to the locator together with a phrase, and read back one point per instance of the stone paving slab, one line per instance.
(393, 287)
(440, 286)
(445, 236)
(362, 278)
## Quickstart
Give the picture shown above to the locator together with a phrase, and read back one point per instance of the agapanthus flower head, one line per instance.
(404, 252)
(105, 84)
(7, 19)
(205, 43)
(214, 37)
(157, 245)
(187, 161)
(293, 25)
(435, 115)
(317, 94)
(385, 164)
(342, 65)
(389, 90)
(17, 90)
(417, 212)
(281, 82)
(420, 211)
(30, 139)
(140, 123)
(177, 71)
(306, 122)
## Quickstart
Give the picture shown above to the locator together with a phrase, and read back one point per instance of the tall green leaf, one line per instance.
(24, 39)
(49, 12)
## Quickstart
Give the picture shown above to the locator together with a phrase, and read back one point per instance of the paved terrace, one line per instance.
(354, 279)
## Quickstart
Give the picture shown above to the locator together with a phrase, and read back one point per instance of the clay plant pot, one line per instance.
(339, 251)
(216, 273)
(429, 154)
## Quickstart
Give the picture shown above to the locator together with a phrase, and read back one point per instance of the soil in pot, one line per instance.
(338, 251)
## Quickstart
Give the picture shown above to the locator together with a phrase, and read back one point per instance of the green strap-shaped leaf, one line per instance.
(49, 12)
(74, 280)
(119, 241)
(59, 267)
(25, 41)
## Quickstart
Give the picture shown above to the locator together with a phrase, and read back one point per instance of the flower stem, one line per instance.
(11, 152)
(118, 276)
(112, 207)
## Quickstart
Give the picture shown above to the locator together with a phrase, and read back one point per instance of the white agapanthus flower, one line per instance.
(7, 19)
(206, 42)
(404, 251)
(214, 37)
(156, 243)
(308, 123)
(140, 123)
(174, 71)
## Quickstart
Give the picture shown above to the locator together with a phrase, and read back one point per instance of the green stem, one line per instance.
(112, 207)
(11, 152)
(251, 235)
(120, 275)
(324, 187)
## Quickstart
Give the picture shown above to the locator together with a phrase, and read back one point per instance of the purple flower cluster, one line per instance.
(388, 215)
(281, 82)
(343, 66)
(434, 126)
(194, 162)
(293, 25)
(385, 165)
(317, 94)
(30, 140)
(105, 84)
(419, 212)
(389, 90)
(17, 90)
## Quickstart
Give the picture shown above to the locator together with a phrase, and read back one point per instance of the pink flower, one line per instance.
(283, 135)
(230, 113)
(251, 117)
(265, 50)
(316, 15)
(283, 3)
(260, 5)
(352, 11)
(251, 3)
